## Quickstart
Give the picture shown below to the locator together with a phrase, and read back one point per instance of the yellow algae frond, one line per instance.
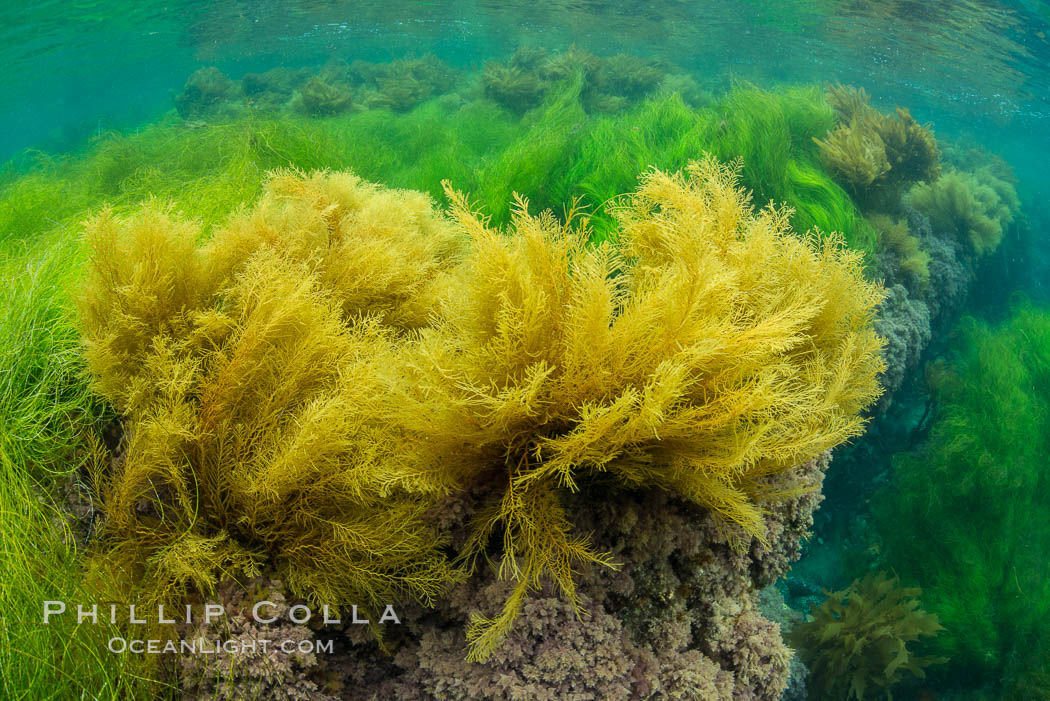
(248, 373)
(300, 389)
(146, 279)
(709, 348)
(269, 442)
(377, 250)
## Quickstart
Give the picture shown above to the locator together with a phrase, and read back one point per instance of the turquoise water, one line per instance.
(966, 66)
(935, 520)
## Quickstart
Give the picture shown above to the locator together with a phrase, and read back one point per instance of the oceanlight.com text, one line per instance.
(202, 646)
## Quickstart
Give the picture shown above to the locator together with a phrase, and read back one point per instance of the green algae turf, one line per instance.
(979, 491)
(551, 155)
(45, 409)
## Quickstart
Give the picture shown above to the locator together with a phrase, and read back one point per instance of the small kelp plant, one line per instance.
(856, 643)
(877, 155)
(300, 389)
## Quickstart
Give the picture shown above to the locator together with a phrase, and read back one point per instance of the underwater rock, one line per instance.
(679, 619)
(259, 669)
(951, 268)
(796, 689)
(772, 605)
(903, 259)
(905, 324)
(788, 523)
(911, 314)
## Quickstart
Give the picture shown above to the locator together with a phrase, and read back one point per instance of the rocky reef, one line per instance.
(678, 618)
